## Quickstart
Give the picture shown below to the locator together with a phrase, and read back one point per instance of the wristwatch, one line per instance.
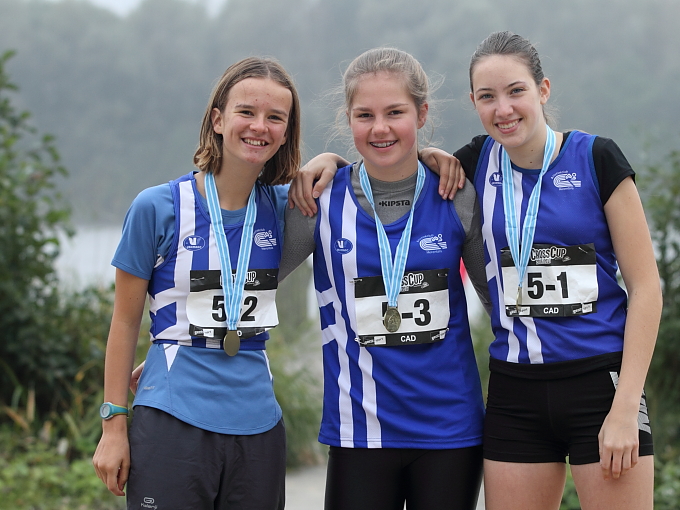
(109, 410)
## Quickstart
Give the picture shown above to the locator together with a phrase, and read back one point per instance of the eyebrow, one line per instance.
(388, 107)
(252, 107)
(509, 86)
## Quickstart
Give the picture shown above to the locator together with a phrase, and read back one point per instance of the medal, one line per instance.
(232, 342)
(392, 319)
(520, 249)
(392, 269)
(232, 286)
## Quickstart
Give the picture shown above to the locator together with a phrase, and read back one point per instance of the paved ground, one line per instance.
(305, 489)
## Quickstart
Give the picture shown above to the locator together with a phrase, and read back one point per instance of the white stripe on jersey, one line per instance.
(335, 331)
(493, 269)
(349, 267)
(182, 267)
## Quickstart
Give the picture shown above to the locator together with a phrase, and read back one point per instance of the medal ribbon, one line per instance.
(232, 287)
(521, 257)
(392, 271)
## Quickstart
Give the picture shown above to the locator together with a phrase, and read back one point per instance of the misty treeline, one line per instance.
(124, 96)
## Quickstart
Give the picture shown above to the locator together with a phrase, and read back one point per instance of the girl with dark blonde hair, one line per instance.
(207, 430)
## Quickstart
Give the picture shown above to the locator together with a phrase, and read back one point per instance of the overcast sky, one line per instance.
(123, 7)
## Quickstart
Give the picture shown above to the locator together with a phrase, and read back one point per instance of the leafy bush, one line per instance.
(295, 354)
(37, 475)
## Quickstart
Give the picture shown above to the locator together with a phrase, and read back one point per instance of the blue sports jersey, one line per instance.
(578, 309)
(415, 395)
(203, 386)
(191, 310)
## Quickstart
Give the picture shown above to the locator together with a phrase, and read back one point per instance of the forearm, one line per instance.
(123, 335)
(642, 324)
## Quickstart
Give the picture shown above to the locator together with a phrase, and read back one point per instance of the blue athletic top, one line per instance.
(201, 386)
(573, 254)
(424, 391)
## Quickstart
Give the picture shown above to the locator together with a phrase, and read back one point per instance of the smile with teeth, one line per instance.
(508, 125)
(382, 145)
(257, 143)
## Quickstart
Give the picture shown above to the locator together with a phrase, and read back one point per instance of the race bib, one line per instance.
(206, 310)
(423, 305)
(561, 281)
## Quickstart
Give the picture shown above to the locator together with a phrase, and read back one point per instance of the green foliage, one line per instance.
(570, 497)
(660, 185)
(667, 483)
(295, 354)
(37, 475)
(51, 342)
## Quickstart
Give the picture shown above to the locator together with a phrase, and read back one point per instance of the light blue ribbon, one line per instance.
(521, 257)
(392, 271)
(232, 286)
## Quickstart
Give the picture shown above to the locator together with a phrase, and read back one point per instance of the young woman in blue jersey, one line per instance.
(560, 214)
(207, 430)
(571, 348)
(402, 409)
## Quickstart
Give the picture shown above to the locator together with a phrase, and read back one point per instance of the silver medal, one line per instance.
(392, 319)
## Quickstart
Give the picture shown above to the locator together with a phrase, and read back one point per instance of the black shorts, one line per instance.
(175, 465)
(538, 420)
(385, 478)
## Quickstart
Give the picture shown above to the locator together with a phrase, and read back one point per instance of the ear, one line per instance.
(216, 120)
(422, 114)
(544, 90)
(472, 98)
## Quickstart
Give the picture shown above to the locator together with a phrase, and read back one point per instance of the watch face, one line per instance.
(105, 411)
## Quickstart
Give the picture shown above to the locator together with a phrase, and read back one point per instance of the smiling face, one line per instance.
(253, 124)
(510, 105)
(384, 121)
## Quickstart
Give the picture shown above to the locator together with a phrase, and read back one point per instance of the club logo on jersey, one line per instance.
(343, 246)
(193, 243)
(496, 179)
(413, 280)
(264, 239)
(565, 180)
(545, 256)
(432, 243)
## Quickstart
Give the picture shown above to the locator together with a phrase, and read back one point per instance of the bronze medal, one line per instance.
(392, 319)
(232, 342)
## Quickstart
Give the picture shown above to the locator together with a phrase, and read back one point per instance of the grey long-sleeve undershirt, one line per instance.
(392, 201)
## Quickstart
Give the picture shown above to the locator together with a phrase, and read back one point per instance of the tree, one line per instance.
(661, 190)
(47, 337)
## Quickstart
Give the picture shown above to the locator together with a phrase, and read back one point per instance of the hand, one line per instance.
(111, 460)
(619, 443)
(449, 169)
(303, 191)
(134, 378)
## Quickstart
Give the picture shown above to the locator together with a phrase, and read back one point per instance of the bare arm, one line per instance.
(112, 458)
(449, 169)
(303, 191)
(633, 247)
